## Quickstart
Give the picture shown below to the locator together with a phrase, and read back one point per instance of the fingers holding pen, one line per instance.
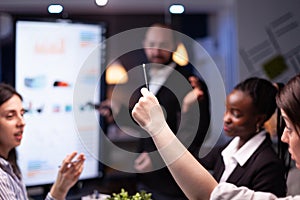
(70, 165)
(148, 113)
(140, 111)
(148, 96)
(68, 175)
(77, 165)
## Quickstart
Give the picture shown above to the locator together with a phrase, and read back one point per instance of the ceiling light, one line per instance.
(101, 2)
(176, 9)
(55, 8)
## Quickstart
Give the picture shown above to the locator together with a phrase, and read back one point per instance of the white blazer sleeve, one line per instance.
(228, 191)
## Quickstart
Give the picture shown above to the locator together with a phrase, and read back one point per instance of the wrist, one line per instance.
(50, 197)
(57, 193)
(168, 145)
(156, 128)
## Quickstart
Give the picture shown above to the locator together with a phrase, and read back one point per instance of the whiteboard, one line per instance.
(49, 57)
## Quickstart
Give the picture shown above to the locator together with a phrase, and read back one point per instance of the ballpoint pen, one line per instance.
(69, 164)
(145, 76)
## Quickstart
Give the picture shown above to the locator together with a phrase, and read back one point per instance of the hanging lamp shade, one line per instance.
(180, 56)
(116, 74)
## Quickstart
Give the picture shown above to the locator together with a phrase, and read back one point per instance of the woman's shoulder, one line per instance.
(266, 154)
(267, 148)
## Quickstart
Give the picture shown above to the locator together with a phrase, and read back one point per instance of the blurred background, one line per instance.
(243, 37)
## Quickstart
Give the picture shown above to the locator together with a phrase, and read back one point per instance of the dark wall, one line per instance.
(8, 63)
(194, 25)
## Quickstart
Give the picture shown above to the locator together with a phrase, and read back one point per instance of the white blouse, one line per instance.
(159, 76)
(233, 156)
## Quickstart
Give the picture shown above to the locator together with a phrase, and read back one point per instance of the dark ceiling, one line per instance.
(113, 6)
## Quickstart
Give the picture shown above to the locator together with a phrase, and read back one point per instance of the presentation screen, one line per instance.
(49, 58)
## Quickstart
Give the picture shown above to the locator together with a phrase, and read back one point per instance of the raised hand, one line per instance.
(68, 175)
(148, 113)
(193, 96)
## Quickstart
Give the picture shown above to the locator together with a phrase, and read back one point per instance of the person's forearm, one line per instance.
(193, 179)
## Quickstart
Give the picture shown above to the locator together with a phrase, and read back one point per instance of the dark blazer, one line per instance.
(170, 97)
(264, 171)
